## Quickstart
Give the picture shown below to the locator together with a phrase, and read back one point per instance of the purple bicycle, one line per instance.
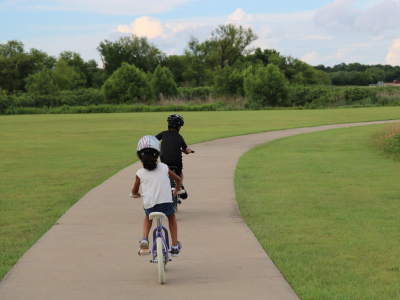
(160, 249)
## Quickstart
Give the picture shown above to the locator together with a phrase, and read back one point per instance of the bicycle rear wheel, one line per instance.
(160, 259)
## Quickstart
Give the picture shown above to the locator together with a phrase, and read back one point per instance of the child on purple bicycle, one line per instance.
(156, 190)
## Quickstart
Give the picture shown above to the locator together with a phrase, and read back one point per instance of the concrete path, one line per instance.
(91, 252)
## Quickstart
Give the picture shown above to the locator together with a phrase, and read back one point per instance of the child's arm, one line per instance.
(135, 189)
(177, 181)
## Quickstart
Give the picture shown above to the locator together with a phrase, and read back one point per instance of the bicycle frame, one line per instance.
(158, 232)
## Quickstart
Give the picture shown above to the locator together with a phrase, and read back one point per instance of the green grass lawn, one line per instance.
(48, 162)
(325, 206)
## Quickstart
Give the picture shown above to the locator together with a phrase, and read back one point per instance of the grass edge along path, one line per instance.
(325, 208)
(50, 161)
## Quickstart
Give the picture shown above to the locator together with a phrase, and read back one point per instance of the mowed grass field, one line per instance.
(325, 206)
(48, 162)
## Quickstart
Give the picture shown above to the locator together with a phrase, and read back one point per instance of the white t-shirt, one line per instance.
(156, 188)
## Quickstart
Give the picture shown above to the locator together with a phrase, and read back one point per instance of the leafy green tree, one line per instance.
(339, 67)
(196, 62)
(376, 73)
(163, 83)
(94, 75)
(323, 77)
(127, 84)
(303, 73)
(392, 74)
(229, 42)
(16, 65)
(65, 76)
(75, 61)
(340, 78)
(41, 83)
(267, 86)
(228, 82)
(133, 50)
(356, 67)
(360, 78)
(261, 56)
(176, 64)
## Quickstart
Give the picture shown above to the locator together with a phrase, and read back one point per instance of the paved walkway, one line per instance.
(91, 253)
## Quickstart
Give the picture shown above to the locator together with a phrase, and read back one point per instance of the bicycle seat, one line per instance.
(157, 214)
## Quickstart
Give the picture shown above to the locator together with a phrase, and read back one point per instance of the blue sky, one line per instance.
(316, 31)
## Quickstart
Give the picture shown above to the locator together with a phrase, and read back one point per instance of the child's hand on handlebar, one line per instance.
(136, 195)
(176, 190)
(187, 151)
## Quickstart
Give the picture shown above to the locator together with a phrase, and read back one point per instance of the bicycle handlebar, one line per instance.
(136, 196)
(183, 151)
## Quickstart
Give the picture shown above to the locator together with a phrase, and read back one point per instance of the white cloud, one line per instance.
(311, 58)
(341, 15)
(337, 14)
(393, 56)
(145, 26)
(240, 15)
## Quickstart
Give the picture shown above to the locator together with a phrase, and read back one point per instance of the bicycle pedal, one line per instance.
(179, 201)
(144, 252)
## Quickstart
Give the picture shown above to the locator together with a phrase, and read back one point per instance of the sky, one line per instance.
(315, 31)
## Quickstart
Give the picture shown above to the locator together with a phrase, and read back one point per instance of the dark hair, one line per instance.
(149, 158)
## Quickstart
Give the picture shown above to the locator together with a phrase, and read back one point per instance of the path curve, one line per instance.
(91, 252)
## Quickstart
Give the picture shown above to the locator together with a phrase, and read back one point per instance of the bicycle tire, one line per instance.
(160, 259)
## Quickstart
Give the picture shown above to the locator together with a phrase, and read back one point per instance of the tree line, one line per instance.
(359, 74)
(136, 71)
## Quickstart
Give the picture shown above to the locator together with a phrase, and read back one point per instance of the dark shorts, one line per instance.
(166, 208)
(178, 169)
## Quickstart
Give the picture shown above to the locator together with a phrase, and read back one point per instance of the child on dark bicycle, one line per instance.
(173, 145)
(156, 190)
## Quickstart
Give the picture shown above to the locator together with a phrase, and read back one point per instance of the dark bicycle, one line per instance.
(176, 199)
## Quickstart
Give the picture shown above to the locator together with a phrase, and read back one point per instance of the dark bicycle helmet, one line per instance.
(175, 120)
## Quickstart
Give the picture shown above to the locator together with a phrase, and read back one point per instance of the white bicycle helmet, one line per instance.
(148, 142)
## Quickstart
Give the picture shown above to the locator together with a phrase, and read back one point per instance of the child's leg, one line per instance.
(173, 229)
(147, 226)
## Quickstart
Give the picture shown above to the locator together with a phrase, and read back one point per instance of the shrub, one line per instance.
(40, 83)
(127, 84)
(228, 82)
(388, 140)
(163, 82)
(266, 87)
(391, 146)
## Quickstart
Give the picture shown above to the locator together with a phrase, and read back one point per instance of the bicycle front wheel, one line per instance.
(160, 259)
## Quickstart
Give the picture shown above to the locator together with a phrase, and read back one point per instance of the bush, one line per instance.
(163, 83)
(228, 82)
(40, 83)
(391, 146)
(266, 87)
(128, 84)
(388, 140)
